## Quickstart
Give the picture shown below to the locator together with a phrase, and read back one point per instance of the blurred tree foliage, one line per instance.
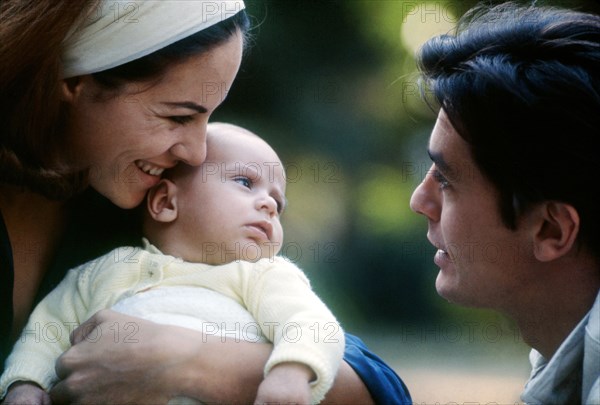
(333, 86)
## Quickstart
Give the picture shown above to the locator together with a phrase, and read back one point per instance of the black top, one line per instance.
(6, 292)
(94, 227)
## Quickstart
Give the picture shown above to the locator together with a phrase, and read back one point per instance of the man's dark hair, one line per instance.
(521, 85)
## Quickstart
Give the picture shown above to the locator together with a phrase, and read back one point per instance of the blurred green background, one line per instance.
(332, 85)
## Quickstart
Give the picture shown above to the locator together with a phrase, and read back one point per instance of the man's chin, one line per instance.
(447, 290)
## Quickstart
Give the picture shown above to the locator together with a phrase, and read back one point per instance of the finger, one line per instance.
(46, 399)
(61, 367)
(59, 394)
(83, 330)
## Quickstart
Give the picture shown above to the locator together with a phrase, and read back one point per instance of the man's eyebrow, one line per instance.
(187, 104)
(440, 162)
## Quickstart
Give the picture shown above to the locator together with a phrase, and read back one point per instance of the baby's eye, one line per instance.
(181, 119)
(279, 206)
(440, 179)
(244, 181)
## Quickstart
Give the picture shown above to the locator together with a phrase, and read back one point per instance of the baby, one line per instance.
(209, 263)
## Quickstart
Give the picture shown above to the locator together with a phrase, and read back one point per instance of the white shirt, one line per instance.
(572, 375)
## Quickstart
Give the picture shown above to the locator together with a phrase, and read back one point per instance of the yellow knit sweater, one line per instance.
(274, 291)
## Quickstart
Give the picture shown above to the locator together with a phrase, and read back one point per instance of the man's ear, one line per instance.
(162, 201)
(557, 232)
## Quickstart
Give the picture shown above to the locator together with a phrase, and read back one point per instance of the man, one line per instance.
(514, 166)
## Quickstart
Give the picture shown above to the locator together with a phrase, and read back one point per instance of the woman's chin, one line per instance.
(129, 201)
(125, 199)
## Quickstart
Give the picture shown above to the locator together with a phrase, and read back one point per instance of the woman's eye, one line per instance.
(181, 119)
(440, 179)
(244, 181)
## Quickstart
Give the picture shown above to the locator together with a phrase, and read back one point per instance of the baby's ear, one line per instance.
(162, 201)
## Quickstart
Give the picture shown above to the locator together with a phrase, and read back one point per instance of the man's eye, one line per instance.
(181, 119)
(244, 181)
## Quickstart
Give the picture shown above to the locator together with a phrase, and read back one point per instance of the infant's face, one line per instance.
(230, 207)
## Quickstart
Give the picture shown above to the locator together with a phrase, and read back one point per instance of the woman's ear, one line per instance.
(557, 232)
(162, 201)
(71, 88)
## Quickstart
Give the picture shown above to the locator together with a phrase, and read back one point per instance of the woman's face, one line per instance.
(128, 140)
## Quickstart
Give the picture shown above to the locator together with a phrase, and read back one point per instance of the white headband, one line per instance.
(118, 32)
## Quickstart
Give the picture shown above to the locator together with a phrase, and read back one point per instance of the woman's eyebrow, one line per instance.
(187, 104)
(440, 162)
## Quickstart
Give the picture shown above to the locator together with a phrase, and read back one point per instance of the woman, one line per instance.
(120, 92)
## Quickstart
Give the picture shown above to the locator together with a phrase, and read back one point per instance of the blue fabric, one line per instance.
(385, 386)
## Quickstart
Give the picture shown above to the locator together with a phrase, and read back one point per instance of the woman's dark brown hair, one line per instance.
(32, 133)
(31, 33)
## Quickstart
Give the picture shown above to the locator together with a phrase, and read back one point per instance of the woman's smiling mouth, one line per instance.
(149, 168)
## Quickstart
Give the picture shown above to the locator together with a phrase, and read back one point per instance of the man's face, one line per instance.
(482, 262)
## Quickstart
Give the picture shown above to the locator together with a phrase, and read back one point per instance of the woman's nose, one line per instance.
(425, 199)
(192, 147)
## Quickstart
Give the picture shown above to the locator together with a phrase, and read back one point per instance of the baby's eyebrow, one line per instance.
(250, 169)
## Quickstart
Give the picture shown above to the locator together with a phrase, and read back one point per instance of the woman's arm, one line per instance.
(117, 358)
(348, 388)
(384, 385)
